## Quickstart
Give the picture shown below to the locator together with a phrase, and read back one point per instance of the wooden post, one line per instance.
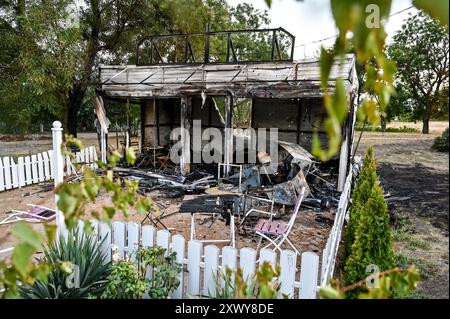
(228, 142)
(58, 175)
(186, 123)
(142, 125)
(208, 30)
(346, 146)
(343, 160)
(103, 145)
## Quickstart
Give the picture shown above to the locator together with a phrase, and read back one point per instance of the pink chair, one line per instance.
(277, 232)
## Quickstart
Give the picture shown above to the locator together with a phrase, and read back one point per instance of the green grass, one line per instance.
(399, 235)
(414, 295)
(426, 268)
(404, 234)
(445, 257)
(414, 243)
(374, 128)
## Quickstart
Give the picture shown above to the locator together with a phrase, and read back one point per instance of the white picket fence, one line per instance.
(38, 168)
(334, 238)
(201, 265)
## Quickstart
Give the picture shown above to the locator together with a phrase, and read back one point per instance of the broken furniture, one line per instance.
(223, 170)
(255, 206)
(34, 215)
(154, 219)
(132, 144)
(155, 151)
(286, 193)
(215, 206)
(277, 232)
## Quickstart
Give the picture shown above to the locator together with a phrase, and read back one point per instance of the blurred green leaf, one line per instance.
(21, 257)
(437, 9)
(329, 292)
(28, 235)
(130, 156)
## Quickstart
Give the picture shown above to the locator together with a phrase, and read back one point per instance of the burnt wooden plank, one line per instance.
(292, 79)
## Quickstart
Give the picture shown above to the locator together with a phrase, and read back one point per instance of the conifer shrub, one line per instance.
(366, 180)
(368, 235)
(373, 242)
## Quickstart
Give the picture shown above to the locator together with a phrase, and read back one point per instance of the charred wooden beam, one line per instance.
(228, 142)
(186, 124)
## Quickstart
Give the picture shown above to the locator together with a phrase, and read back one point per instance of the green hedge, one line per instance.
(441, 142)
(366, 180)
(368, 234)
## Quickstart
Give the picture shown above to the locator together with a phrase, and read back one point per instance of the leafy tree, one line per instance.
(421, 52)
(402, 105)
(439, 110)
(50, 64)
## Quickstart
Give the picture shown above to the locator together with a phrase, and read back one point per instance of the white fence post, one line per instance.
(119, 233)
(247, 262)
(58, 171)
(309, 273)
(178, 244)
(210, 270)
(2, 184)
(133, 240)
(194, 259)
(105, 239)
(288, 262)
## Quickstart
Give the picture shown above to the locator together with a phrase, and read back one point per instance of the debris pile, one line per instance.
(295, 168)
(148, 180)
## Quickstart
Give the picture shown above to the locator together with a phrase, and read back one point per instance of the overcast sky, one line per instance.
(311, 20)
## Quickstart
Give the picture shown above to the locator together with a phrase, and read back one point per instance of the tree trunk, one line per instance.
(75, 100)
(383, 124)
(426, 121)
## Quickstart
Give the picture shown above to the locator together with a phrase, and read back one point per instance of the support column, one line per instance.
(186, 124)
(58, 175)
(343, 160)
(228, 142)
(142, 126)
(344, 156)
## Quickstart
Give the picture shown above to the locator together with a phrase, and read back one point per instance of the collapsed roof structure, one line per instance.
(176, 79)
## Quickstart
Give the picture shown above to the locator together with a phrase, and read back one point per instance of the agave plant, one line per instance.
(80, 270)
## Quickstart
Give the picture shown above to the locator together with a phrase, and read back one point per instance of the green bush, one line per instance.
(82, 251)
(128, 281)
(124, 282)
(365, 182)
(373, 243)
(264, 284)
(371, 238)
(440, 143)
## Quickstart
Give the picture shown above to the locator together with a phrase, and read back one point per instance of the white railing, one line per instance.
(201, 265)
(37, 168)
(6, 250)
(331, 249)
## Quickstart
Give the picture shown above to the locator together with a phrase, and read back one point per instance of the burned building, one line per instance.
(177, 79)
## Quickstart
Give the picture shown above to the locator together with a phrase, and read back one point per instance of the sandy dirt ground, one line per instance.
(308, 234)
(407, 168)
(32, 144)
